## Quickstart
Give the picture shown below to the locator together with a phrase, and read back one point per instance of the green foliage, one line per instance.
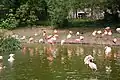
(9, 45)
(10, 22)
(40, 8)
(29, 12)
(58, 12)
(26, 15)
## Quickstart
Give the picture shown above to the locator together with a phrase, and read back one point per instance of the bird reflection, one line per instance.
(31, 51)
(36, 51)
(81, 50)
(51, 52)
(1, 66)
(77, 50)
(24, 49)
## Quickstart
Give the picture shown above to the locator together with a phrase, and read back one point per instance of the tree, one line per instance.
(113, 6)
(58, 12)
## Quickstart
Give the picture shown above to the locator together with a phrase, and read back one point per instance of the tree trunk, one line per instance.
(92, 16)
(76, 13)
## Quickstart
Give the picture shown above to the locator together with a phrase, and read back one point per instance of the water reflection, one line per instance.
(56, 62)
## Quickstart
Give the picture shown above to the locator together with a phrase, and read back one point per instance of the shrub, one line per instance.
(26, 15)
(8, 44)
(10, 22)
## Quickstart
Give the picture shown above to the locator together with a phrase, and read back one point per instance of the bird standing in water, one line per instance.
(89, 60)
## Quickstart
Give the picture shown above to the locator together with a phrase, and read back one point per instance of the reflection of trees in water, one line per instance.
(115, 70)
(1, 65)
(94, 52)
(51, 52)
(79, 50)
(31, 51)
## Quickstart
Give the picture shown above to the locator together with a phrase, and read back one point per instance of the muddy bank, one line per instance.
(86, 32)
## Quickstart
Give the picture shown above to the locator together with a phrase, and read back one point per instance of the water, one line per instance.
(46, 62)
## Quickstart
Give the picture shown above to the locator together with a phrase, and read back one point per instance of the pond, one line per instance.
(56, 62)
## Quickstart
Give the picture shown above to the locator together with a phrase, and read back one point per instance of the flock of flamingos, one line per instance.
(51, 39)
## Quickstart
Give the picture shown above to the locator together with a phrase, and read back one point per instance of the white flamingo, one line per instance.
(107, 28)
(23, 37)
(81, 37)
(114, 40)
(31, 39)
(87, 59)
(110, 33)
(99, 32)
(62, 42)
(118, 30)
(44, 33)
(41, 40)
(55, 31)
(94, 33)
(78, 33)
(92, 65)
(69, 36)
(105, 32)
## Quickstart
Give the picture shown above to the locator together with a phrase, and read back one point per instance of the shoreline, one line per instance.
(88, 38)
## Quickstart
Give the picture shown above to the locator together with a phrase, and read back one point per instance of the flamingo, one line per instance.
(114, 40)
(35, 34)
(107, 50)
(23, 37)
(77, 40)
(41, 40)
(105, 32)
(94, 33)
(81, 37)
(50, 41)
(62, 42)
(92, 65)
(44, 33)
(118, 30)
(107, 28)
(87, 59)
(31, 39)
(54, 38)
(69, 36)
(49, 36)
(110, 33)
(99, 32)
(55, 31)
(77, 34)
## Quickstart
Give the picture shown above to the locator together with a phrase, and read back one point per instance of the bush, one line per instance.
(8, 44)
(26, 15)
(58, 13)
(10, 22)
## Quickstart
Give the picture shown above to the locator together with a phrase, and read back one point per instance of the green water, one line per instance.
(45, 62)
